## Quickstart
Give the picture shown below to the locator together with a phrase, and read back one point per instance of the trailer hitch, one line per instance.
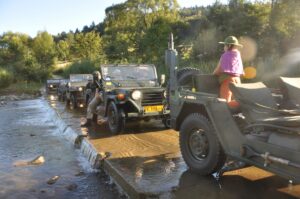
(248, 152)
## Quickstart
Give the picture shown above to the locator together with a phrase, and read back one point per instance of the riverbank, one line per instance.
(20, 91)
(19, 88)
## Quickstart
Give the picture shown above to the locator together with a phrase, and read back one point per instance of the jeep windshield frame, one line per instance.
(80, 77)
(129, 72)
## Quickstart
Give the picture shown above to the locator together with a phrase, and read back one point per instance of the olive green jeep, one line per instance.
(131, 92)
(262, 133)
(75, 93)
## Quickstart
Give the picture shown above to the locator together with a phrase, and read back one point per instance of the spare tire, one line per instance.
(184, 76)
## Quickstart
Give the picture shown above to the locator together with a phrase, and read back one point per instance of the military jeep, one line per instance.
(261, 133)
(52, 85)
(131, 92)
(62, 89)
(75, 90)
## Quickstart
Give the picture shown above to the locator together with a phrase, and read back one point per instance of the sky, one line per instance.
(55, 16)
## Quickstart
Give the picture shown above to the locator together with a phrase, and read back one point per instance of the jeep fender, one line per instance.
(187, 109)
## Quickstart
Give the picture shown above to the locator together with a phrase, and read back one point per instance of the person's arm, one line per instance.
(217, 70)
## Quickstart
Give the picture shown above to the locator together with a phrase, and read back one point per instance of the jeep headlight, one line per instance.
(80, 88)
(51, 86)
(136, 95)
(165, 94)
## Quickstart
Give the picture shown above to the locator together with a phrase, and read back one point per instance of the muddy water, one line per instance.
(145, 160)
(27, 131)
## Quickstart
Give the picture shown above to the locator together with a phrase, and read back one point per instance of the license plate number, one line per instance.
(149, 109)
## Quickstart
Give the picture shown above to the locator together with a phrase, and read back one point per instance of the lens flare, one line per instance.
(249, 50)
(250, 72)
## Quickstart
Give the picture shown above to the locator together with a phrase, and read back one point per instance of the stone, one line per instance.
(53, 180)
(71, 187)
(37, 161)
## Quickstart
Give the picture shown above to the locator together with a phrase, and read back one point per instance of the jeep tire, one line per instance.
(199, 145)
(116, 122)
(184, 76)
(73, 101)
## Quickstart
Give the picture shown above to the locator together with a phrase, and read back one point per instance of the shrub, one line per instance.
(6, 78)
(81, 67)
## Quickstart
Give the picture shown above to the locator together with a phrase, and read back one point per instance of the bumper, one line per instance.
(161, 114)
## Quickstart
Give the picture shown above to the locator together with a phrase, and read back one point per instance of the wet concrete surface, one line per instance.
(27, 130)
(145, 162)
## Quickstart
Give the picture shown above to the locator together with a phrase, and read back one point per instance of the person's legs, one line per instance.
(226, 93)
(91, 109)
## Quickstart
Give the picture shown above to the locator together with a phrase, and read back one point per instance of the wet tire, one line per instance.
(68, 101)
(95, 118)
(116, 122)
(73, 102)
(199, 145)
(59, 97)
(184, 76)
(167, 122)
(63, 98)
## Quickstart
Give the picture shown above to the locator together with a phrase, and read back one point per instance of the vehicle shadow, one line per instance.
(195, 186)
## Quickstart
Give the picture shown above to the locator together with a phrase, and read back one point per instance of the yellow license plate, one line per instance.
(149, 109)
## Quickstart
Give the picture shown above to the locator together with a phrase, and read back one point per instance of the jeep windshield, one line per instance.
(80, 77)
(129, 72)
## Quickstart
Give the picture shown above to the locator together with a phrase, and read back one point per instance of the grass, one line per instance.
(19, 88)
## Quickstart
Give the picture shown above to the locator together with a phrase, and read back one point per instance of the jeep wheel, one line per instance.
(199, 145)
(167, 122)
(68, 101)
(63, 98)
(73, 102)
(116, 122)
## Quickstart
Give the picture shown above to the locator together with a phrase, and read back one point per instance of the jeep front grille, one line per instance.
(152, 98)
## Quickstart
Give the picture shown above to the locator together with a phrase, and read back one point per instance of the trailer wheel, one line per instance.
(199, 145)
(116, 122)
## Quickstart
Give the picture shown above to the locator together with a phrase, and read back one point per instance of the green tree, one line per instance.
(63, 50)
(88, 46)
(154, 42)
(126, 24)
(285, 24)
(44, 49)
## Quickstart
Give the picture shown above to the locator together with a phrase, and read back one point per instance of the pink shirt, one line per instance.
(231, 63)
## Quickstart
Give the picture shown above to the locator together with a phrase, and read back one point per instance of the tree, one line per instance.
(88, 45)
(285, 23)
(127, 23)
(44, 49)
(63, 50)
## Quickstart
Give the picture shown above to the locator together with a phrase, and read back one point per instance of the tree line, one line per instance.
(136, 31)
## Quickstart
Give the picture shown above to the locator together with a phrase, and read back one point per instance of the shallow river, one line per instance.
(26, 132)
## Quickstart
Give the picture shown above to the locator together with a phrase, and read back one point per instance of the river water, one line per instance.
(26, 132)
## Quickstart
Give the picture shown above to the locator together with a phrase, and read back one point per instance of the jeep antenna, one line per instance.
(171, 42)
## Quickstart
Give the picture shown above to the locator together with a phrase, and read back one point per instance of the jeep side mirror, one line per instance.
(162, 79)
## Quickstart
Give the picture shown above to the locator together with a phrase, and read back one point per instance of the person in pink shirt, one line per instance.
(229, 69)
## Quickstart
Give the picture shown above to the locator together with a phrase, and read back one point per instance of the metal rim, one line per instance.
(198, 144)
